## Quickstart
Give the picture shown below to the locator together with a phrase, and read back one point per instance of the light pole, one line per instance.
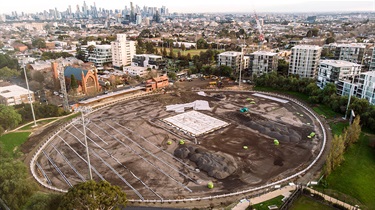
(28, 92)
(85, 110)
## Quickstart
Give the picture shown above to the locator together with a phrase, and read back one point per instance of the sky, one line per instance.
(198, 5)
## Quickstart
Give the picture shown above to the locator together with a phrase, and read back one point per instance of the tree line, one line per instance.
(327, 96)
(340, 143)
(18, 192)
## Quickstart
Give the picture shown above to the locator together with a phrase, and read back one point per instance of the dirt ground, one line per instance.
(128, 146)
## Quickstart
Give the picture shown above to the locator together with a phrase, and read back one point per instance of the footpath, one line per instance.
(286, 191)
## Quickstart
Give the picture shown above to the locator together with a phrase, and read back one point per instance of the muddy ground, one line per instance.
(128, 147)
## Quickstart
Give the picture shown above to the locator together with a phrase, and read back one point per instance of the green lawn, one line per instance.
(264, 206)
(192, 51)
(324, 110)
(338, 128)
(297, 95)
(356, 175)
(12, 140)
(307, 203)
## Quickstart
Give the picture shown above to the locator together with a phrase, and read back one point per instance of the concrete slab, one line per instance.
(196, 123)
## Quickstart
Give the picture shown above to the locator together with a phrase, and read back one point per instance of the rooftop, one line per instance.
(359, 45)
(307, 47)
(264, 53)
(13, 91)
(230, 53)
(339, 63)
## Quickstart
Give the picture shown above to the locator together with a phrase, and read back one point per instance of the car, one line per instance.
(55, 93)
(61, 96)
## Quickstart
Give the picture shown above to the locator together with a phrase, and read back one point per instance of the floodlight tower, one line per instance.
(84, 111)
(63, 86)
(28, 92)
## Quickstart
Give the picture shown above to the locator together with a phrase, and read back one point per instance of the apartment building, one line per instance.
(363, 87)
(101, 55)
(262, 62)
(350, 52)
(136, 71)
(14, 94)
(372, 62)
(148, 61)
(304, 60)
(231, 59)
(366, 86)
(122, 51)
(331, 71)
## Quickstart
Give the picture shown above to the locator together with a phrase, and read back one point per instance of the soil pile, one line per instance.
(219, 166)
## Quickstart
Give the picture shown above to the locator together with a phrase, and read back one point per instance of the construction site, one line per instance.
(173, 146)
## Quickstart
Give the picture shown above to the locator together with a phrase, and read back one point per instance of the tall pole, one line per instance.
(87, 146)
(28, 93)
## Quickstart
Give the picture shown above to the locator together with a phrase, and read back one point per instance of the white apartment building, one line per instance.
(366, 86)
(14, 94)
(148, 60)
(231, 59)
(372, 62)
(331, 71)
(262, 62)
(136, 71)
(350, 52)
(101, 55)
(122, 51)
(304, 60)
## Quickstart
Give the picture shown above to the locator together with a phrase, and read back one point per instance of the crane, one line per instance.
(260, 30)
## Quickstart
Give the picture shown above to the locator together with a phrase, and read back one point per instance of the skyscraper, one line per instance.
(132, 14)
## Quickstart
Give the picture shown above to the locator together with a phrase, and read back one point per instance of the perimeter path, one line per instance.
(285, 191)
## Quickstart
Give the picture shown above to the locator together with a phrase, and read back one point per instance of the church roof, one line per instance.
(77, 72)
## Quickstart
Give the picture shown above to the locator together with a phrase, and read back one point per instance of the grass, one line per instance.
(192, 51)
(299, 96)
(355, 177)
(43, 122)
(11, 141)
(307, 203)
(325, 111)
(264, 206)
(338, 128)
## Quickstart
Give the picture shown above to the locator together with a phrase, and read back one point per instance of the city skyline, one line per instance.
(199, 6)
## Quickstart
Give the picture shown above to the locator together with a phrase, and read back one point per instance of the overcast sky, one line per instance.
(197, 5)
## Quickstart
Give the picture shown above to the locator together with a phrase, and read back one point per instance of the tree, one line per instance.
(330, 40)
(165, 53)
(336, 153)
(38, 76)
(7, 73)
(43, 201)
(7, 61)
(94, 195)
(353, 132)
(172, 75)
(283, 67)
(9, 118)
(39, 43)
(202, 44)
(73, 82)
(15, 188)
(183, 48)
